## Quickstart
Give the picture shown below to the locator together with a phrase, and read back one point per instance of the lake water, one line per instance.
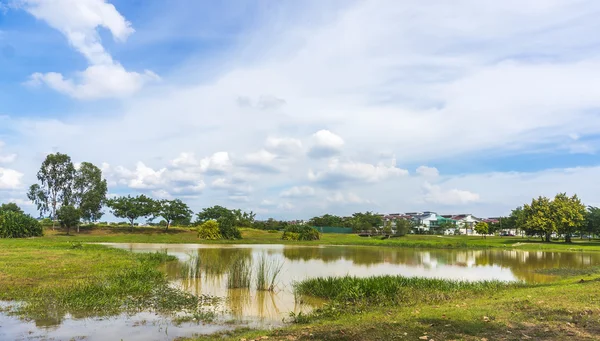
(203, 270)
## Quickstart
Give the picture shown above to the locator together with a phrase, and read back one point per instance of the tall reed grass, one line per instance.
(240, 273)
(267, 272)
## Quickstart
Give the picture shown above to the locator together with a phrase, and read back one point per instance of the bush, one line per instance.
(228, 229)
(209, 230)
(19, 225)
(287, 235)
(301, 233)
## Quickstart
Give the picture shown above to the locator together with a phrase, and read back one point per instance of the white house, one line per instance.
(466, 223)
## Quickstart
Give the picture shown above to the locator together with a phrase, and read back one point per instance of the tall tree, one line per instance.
(10, 207)
(592, 222)
(132, 208)
(89, 191)
(56, 179)
(569, 214)
(173, 210)
(539, 218)
(482, 228)
(214, 213)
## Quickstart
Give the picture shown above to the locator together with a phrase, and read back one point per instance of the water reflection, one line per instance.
(203, 270)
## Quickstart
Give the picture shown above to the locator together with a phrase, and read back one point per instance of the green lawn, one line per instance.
(251, 236)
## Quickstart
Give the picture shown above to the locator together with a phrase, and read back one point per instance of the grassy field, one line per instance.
(251, 236)
(58, 273)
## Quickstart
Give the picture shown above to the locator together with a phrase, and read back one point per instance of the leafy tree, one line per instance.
(387, 227)
(326, 220)
(209, 230)
(216, 212)
(89, 191)
(403, 226)
(244, 219)
(10, 207)
(444, 226)
(592, 222)
(173, 210)
(569, 214)
(482, 228)
(228, 229)
(56, 176)
(132, 208)
(539, 219)
(68, 216)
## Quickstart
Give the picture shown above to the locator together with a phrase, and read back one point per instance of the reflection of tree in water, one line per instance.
(522, 263)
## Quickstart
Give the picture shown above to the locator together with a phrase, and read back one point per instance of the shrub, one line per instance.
(209, 230)
(19, 225)
(228, 229)
(287, 235)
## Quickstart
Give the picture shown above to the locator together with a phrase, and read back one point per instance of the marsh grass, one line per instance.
(267, 273)
(393, 290)
(240, 273)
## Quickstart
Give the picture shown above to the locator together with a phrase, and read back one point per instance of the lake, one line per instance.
(204, 270)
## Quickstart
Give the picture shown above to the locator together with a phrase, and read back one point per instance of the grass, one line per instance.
(388, 290)
(53, 278)
(183, 235)
(239, 274)
(267, 272)
(567, 309)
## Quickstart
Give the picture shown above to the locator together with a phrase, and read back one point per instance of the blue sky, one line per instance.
(293, 109)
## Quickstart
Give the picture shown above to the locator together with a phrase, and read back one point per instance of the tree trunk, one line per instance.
(68, 230)
(131, 220)
(547, 237)
(168, 224)
(568, 238)
(77, 228)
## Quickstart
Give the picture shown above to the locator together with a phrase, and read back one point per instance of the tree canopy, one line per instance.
(132, 208)
(173, 210)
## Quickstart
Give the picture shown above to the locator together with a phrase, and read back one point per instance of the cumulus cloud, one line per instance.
(428, 172)
(338, 171)
(298, 192)
(283, 145)
(435, 194)
(263, 161)
(325, 144)
(346, 198)
(79, 21)
(218, 163)
(10, 179)
(231, 186)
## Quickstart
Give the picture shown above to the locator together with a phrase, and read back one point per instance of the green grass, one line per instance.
(53, 278)
(392, 290)
(252, 236)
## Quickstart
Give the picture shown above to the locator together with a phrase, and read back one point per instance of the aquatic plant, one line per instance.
(240, 273)
(267, 272)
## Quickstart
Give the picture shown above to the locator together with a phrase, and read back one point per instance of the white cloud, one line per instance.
(436, 195)
(10, 179)
(325, 144)
(8, 158)
(284, 145)
(338, 171)
(286, 206)
(218, 163)
(298, 192)
(232, 187)
(262, 160)
(429, 172)
(346, 198)
(78, 20)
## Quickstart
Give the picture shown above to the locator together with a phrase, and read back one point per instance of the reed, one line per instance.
(240, 273)
(267, 273)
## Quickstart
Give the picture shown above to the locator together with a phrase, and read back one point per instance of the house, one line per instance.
(465, 223)
(425, 220)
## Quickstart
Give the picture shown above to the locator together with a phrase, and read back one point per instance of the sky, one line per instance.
(293, 109)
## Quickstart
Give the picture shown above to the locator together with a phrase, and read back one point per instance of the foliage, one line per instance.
(267, 272)
(326, 220)
(56, 177)
(240, 273)
(403, 227)
(569, 214)
(10, 207)
(132, 208)
(228, 229)
(89, 191)
(18, 225)
(287, 235)
(592, 221)
(482, 228)
(173, 210)
(209, 230)
(68, 216)
(387, 227)
(538, 218)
